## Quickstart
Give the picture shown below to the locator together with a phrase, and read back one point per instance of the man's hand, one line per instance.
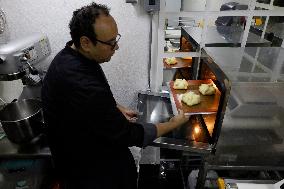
(174, 123)
(180, 119)
(130, 115)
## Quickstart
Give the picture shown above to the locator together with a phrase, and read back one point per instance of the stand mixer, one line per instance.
(22, 119)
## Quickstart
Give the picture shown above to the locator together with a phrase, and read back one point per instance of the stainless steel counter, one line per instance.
(250, 64)
(223, 36)
(253, 128)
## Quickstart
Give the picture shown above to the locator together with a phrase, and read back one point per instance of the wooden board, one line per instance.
(207, 105)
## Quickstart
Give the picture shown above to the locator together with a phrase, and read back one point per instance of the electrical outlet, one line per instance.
(152, 5)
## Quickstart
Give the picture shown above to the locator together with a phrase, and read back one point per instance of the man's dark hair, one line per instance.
(83, 20)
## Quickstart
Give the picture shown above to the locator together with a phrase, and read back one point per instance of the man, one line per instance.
(88, 133)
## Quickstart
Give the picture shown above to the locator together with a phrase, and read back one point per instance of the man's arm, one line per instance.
(161, 128)
(175, 122)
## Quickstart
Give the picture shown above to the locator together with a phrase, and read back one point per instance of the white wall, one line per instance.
(193, 5)
(173, 6)
(126, 72)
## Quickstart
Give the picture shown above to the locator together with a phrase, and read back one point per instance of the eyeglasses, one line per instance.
(111, 43)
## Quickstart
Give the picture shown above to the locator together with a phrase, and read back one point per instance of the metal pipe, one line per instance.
(150, 52)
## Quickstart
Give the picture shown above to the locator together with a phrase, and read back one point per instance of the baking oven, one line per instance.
(202, 131)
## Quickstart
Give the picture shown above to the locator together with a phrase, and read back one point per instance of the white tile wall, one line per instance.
(126, 72)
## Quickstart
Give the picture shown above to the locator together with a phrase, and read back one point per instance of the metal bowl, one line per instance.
(22, 120)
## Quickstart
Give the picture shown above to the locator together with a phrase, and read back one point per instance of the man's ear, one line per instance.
(85, 43)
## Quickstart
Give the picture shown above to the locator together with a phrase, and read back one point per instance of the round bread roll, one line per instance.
(180, 84)
(191, 98)
(207, 89)
(171, 61)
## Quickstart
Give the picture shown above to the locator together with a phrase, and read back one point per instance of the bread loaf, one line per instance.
(207, 89)
(191, 98)
(180, 84)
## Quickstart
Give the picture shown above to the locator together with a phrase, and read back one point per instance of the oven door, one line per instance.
(156, 108)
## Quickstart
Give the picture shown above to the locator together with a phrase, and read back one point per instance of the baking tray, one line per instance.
(208, 104)
(181, 63)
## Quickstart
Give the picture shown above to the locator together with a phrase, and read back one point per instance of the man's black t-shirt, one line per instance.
(88, 135)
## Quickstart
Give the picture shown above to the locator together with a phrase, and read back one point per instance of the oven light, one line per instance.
(196, 130)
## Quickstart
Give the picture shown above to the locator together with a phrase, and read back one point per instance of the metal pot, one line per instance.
(22, 120)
